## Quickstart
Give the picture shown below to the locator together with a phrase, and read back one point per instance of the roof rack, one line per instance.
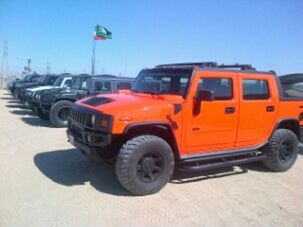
(190, 64)
(237, 66)
(208, 65)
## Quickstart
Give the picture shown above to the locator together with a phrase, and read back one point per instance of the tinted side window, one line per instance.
(102, 86)
(255, 89)
(221, 87)
(124, 85)
(68, 83)
(84, 84)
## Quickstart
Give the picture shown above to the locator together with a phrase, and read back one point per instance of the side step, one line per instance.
(219, 163)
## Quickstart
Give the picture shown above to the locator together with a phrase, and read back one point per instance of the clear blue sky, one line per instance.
(267, 34)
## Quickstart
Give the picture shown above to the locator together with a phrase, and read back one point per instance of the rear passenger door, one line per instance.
(257, 108)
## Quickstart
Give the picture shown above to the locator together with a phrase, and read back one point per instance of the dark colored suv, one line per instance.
(56, 104)
(44, 80)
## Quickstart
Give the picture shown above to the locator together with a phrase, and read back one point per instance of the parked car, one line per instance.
(27, 79)
(43, 80)
(56, 105)
(193, 116)
(292, 85)
(63, 81)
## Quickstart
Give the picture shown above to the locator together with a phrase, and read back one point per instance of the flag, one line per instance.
(101, 33)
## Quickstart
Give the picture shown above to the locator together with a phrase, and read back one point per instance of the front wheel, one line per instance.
(145, 164)
(41, 114)
(59, 113)
(283, 150)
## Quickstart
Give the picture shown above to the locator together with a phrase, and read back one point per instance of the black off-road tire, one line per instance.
(279, 158)
(54, 115)
(41, 114)
(134, 159)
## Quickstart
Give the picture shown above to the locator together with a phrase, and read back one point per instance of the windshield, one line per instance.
(51, 80)
(58, 81)
(163, 81)
(27, 78)
(43, 79)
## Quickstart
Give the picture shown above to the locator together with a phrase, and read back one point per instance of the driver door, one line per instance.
(215, 126)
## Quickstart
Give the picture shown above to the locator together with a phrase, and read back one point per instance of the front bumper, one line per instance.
(95, 151)
(45, 108)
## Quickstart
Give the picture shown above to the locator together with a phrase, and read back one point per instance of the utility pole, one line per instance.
(94, 57)
(48, 68)
(29, 61)
(4, 64)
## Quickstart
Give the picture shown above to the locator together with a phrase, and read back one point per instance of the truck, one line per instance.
(62, 82)
(191, 117)
(31, 78)
(48, 79)
(57, 104)
(292, 85)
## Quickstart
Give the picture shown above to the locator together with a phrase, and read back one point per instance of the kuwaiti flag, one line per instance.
(102, 33)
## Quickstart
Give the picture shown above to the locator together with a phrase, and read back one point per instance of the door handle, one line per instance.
(230, 110)
(270, 109)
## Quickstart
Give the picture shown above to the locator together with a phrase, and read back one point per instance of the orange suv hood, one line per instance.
(133, 106)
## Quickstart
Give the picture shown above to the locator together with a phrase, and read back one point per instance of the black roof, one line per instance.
(292, 78)
(213, 66)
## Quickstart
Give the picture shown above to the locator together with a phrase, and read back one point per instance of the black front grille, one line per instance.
(80, 117)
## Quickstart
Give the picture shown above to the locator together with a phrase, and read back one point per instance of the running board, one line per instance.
(221, 163)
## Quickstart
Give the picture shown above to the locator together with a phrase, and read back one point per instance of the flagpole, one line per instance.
(93, 57)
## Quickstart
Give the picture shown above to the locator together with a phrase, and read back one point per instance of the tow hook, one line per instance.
(173, 123)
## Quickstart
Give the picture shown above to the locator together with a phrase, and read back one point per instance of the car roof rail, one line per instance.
(237, 66)
(208, 65)
(189, 64)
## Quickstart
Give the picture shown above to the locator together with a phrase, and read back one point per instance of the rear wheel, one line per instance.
(59, 113)
(144, 164)
(283, 149)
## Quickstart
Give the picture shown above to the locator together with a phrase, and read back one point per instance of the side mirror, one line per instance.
(203, 95)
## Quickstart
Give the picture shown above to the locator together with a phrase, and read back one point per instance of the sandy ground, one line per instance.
(44, 181)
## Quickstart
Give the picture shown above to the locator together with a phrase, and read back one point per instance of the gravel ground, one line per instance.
(44, 181)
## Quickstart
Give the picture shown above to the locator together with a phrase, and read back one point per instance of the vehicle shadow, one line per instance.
(22, 112)
(300, 149)
(13, 101)
(36, 121)
(70, 167)
(8, 98)
(20, 106)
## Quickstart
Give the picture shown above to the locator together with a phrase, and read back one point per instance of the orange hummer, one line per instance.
(191, 116)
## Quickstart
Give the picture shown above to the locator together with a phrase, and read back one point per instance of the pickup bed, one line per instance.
(193, 116)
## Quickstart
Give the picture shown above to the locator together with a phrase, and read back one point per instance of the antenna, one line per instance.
(4, 64)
